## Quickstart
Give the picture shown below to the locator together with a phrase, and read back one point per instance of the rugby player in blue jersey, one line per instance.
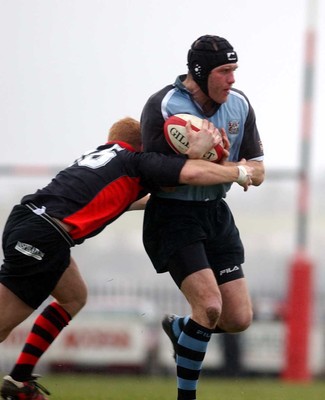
(197, 241)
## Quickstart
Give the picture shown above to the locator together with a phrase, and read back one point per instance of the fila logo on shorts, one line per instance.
(229, 270)
(29, 250)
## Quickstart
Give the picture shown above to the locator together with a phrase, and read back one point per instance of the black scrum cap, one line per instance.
(207, 53)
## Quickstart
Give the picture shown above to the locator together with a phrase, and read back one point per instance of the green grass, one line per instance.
(101, 387)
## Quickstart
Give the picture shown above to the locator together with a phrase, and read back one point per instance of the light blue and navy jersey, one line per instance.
(236, 116)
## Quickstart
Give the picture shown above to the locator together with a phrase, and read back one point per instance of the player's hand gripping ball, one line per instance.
(176, 136)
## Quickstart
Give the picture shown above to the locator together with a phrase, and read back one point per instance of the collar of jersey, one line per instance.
(127, 146)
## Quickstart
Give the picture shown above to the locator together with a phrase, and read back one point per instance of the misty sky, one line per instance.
(70, 68)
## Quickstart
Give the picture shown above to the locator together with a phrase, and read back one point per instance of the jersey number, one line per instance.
(98, 158)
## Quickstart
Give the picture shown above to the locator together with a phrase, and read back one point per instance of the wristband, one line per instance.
(242, 176)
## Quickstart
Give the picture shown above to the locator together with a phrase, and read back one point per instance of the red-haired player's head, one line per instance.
(126, 130)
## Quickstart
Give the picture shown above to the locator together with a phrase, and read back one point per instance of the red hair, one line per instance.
(126, 130)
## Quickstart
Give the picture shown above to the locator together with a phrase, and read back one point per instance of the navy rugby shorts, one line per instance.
(35, 256)
(183, 237)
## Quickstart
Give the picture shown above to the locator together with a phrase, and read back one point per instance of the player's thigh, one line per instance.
(201, 289)
(71, 290)
(237, 311)
(12, 311)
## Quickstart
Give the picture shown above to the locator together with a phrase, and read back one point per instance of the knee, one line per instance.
(207, 314)
(74, 303)
(211, 310)
(79, 302)
(242, 323)
(212, 315)
(237, 322)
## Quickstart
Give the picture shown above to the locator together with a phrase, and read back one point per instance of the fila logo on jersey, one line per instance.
(229, 270)
(231, 56)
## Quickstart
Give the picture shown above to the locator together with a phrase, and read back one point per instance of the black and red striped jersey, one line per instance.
(101, 185)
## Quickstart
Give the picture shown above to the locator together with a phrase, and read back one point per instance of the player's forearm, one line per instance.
(258, 174)
(199, 172)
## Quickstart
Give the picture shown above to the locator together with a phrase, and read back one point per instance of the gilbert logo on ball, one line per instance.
(175, 134)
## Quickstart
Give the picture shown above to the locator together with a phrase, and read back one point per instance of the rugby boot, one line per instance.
(167, 325)
(28, 390)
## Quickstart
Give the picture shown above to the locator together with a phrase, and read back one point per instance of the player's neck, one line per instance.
(208, 106)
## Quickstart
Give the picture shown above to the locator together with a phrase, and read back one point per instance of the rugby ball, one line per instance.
(175, 134)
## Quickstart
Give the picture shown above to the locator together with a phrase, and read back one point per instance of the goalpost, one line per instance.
(300, 284)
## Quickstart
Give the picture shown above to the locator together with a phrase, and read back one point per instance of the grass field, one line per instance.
(101, 387)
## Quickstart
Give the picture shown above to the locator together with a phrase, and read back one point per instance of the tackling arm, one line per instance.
(199, 172)
(258, 173)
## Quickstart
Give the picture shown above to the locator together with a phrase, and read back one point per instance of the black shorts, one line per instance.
(35, 256)
(183, 237)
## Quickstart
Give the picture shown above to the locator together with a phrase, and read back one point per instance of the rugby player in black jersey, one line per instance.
(77, 204)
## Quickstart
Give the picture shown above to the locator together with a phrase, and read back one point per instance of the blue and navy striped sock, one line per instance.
(192, 345)
(178, 325)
